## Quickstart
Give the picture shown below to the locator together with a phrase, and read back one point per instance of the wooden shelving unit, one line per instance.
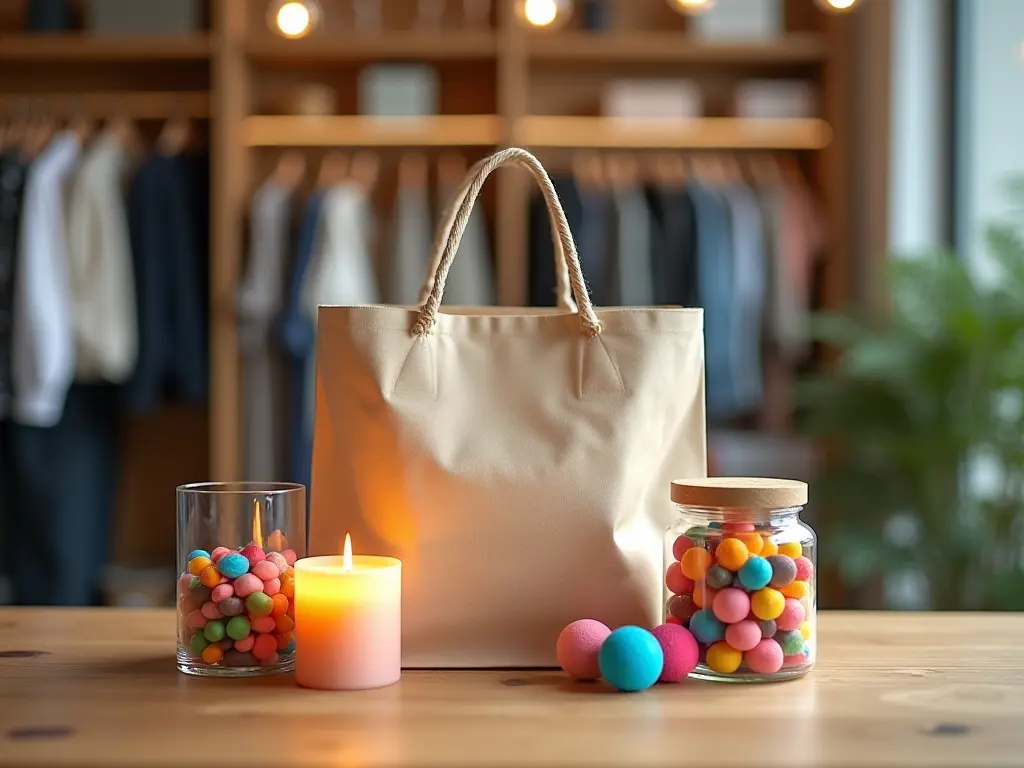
(137, 105)
(361, 131)
(73, 48)
(395, 46)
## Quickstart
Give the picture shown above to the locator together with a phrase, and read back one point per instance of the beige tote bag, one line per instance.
(518, 461)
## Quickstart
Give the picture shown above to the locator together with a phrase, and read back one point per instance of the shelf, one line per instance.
(666, 47)
(700, 133)
(365, 131)
(137, 105)
(87, 48)
(408, 46)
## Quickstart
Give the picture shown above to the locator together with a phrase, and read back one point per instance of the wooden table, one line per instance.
(99, 687)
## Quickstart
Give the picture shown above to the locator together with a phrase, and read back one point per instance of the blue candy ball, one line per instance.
(755, 573)
(714, 525)
(232, 566)
(706, 627)
(631, 659)
(197, 553)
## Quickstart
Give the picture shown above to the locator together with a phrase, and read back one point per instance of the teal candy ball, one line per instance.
(718, 577)
(197, 553)
(631, 659)
(755, 573)
(232, 566)
(706, 627)
(792, 642)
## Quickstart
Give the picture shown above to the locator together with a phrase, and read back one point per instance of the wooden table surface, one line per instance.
(99, 687)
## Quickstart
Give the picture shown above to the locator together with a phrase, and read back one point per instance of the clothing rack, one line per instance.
(499, 85)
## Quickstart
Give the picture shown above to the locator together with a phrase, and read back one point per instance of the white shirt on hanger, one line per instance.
(43, 347)
(102, 281)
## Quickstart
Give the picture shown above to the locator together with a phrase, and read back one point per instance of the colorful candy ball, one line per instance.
(706, 628)
(259, 604)
(264, 647)
(680, 651)
(222, 592)
(792, 615)
(765, 658)
(245, 644)
(723, 658)
(278, 559)
(237, 627)
(578, 646)
(246, 584)
(695, 563)
(197, 644)
(767, 603)
(703, 596)
(797, 590)
(631, 658)
(768, 627)
(210, 577)
(263, 624)
(676, 582)
(266, 570)
(770, 548)
(211, 610)
(804, 569)
(743, 635)
(197, 553)
(738, 527)
(732, 553)
(214, 631)
(791, 549)
(755, 573)
(792, 642)
(272, 586)
(213, 654)
(682, 607)
(783, 570)
(231, 606)
(718, 577)
(254, 554)
(232, 566)
(218, 553)
(731, 605)
(680, 545)
(289, 556)
(197, 564)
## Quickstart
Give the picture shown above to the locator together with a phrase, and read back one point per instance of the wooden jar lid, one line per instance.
(749, 492)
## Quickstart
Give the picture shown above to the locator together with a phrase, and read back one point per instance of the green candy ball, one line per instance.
(238, 627)
(259, 604)
(198, 644)
(214, 631)
(792, 642)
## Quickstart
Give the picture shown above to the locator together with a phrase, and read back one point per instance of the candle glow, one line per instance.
(257, 527)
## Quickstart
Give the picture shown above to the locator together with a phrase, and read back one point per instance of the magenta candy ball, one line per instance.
(222, 592)
(680, 545)
(246, 584)
(577, 648)
(743, 635)
(680, 650)
(731, 605)
(791, 617)
(676, 582)
(266, 570)
(804, 569)
(765, 658)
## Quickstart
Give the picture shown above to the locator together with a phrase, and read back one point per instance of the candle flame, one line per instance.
(347, 557)
(257, 528)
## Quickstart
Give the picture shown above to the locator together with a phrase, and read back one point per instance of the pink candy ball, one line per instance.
(795, 661)
(266, 570)
(731, 605)
(676, 582)
(791, 617)
(765, 658)
(680, 650)
(680, 545)
(804, 569)
(578, 646)
(246, 584)
(195, 620)
(245, 644)
(743, 635)
(253, 554)
(278, 559)
(183, 581)
(289, 556)
(272, 587)
(737, 527)
(211, 611)
(263, 624)
(222, 592)
(218, 553)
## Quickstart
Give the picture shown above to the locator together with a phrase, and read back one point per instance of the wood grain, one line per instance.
(98, 687)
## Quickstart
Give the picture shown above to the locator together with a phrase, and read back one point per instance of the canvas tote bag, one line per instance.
(518, 461)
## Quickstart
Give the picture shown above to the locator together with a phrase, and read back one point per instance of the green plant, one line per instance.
(925, 409)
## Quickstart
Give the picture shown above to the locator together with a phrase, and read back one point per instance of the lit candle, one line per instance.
(348, 621)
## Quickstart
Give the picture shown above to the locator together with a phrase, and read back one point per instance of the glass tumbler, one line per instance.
(236, 551)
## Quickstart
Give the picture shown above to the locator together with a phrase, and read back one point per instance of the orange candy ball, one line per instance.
(284, 624)
(288, 585)
(198, 564)
(732, 554)
(213, 653)
(770, 548)
(695, 563)
(796, 589)
(702, 595)
(210, 577)
(753, 541)
(280, 605)
(264, 647)
(284, 639)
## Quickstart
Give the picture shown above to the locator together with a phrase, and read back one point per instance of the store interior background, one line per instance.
(902, 119)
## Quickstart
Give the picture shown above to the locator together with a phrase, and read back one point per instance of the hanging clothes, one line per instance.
(298, 336)
(410, 244)
(673, 247)
(13, 170)
(102, 280)
(543, 283)
(43, 349)
(633, 284)
(168, 257)
(471, 277)
(260, 298)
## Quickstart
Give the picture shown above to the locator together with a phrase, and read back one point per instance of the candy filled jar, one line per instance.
(740, 575)
(236, 550)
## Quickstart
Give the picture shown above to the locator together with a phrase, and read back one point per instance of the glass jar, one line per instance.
(237, 545)
(740, 575)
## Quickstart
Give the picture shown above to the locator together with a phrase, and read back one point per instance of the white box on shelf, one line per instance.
(733, 20)
(680, 99)
(398, 90)
(775, 99)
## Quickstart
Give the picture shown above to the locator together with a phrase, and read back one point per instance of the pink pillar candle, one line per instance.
(348, 622)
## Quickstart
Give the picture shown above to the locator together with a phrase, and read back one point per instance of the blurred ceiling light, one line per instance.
(544, 14)
(836, 5)
(293, 18)
(691, 7)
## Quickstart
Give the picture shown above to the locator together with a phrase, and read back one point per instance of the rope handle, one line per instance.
(453, 225)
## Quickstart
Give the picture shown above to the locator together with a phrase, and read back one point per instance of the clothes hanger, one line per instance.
(174, 136)
(290, 169)
(39, 132)
(365, 169)
(451, 169)
(333, 169)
